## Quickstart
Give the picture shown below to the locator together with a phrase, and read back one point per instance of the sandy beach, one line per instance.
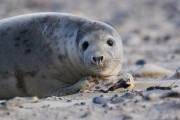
(150, 31)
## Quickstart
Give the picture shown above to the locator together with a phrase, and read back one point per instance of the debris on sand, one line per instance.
(18, 101)
(124, 81)
(151, 71)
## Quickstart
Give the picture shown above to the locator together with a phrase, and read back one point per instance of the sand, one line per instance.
(150, 31)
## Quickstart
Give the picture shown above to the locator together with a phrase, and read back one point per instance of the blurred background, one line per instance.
(150, 29)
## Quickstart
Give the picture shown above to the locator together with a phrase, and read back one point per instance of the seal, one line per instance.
(45, 54)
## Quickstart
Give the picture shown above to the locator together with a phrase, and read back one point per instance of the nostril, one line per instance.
(94, 59)
(101, 58)
(98, 59)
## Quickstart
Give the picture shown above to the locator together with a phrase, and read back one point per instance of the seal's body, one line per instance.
(51, 53)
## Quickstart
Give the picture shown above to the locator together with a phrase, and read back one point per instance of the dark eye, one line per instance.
(85, 45)
(110, 42)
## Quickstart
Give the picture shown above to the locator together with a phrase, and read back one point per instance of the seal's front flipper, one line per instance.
(68, 89)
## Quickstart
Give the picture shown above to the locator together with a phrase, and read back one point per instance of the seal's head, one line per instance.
(101, 49)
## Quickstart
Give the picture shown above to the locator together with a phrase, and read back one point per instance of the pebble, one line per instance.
(46, 106)
(175, 86)
(172, 94)
(140, 62)
(167, 37)
(162, 39)
(105, 105)
(60, 98)
(21, 107)
(116, 95)
(85, 114)
(8, 113)
(101, 95)
(100, 100)
(76, 104)
(137, 99)
(151, 96)
(128, 95)
(69, 100)
(83, 103)
(146, 38)
(126, 117)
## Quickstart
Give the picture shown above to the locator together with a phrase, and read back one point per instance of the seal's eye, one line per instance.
(110, 42)
(85, 45)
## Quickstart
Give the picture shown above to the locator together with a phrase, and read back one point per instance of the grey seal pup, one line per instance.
(45, 54)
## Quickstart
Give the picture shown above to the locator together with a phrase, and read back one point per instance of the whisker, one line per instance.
(110, 63)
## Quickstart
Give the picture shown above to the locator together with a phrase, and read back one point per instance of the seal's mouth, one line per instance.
(99, 66)
(105, 67)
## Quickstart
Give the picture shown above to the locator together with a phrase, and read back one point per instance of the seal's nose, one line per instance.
(98, 59)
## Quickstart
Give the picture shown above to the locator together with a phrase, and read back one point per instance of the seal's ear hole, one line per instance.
(110, 42)
(85, 45)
